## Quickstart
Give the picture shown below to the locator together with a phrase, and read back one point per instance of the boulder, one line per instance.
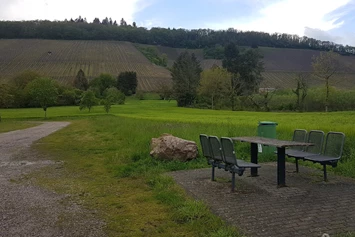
(168, 147)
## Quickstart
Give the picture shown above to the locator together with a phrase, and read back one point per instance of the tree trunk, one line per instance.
(212, 100)
(233, 91)
(327, 94)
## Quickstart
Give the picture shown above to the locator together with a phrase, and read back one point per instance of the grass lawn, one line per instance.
(107, 166)
(11, 125)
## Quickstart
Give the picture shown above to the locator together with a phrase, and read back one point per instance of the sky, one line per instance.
(332, 20)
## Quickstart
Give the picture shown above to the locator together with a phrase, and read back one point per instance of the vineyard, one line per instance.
(282, 67)
(62, 60)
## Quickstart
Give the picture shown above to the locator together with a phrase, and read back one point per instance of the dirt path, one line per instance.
(27, 210)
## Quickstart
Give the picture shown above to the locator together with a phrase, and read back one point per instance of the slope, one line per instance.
(62, 60)
(281, 66)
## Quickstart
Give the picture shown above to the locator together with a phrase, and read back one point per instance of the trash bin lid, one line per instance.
(267, 123)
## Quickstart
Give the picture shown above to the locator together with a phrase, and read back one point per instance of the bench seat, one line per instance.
(298, 153)
(322, 159)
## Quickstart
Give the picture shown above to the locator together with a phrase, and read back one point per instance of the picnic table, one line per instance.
(280, 145)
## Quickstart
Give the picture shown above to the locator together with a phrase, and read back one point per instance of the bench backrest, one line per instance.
(299, 135)
(216, 148)
(316, 137)
(228, 151)
(334, 144)
(206, 146)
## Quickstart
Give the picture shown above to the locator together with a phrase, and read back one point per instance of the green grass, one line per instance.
(107, 166)
(11, 125)
(110, 170)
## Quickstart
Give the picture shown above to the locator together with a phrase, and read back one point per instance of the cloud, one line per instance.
(61, 9)
(289, 16)
(322, 35)
(150, 23)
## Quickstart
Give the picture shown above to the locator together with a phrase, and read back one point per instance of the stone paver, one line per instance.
(307, 207)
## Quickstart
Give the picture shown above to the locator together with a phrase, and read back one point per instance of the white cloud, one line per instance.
(150, 23)
(61, 9)
(289, 16)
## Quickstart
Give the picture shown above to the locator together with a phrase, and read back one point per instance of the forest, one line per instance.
(107, 29)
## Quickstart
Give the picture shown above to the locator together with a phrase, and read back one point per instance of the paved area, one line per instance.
(307, 207)
(28, 210)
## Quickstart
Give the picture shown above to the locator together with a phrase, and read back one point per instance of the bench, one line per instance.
(221, 154)
(234, 165)
(214, 161)
(332, 152)
(314, 136)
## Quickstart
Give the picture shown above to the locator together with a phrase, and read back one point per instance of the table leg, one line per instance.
(254, 158)
(281, 167)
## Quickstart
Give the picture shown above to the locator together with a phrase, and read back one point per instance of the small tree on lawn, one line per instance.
(42, 92)
(112, 96)
(88, 100)
(301, 90)
(107, 104)
(325, 66)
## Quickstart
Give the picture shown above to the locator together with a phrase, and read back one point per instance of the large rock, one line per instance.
(168, 147)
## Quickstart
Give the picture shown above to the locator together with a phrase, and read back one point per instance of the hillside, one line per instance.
(95, 57)
(62, 60)
(281, 66)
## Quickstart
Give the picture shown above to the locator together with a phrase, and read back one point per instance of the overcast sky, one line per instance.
(332, 20)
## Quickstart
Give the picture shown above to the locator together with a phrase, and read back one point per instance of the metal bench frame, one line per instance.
(208, 154)
(233, 165)
(309, 150)
(326, 159)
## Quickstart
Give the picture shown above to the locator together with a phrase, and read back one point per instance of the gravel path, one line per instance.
(27, 210)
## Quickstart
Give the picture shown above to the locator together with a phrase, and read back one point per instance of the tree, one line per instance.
(115, 96)
(42, 92)
(6, 97)
(245, 68)
(88, 100)
(105, 21)
(325, 66)
(231, 63)
(96, 21)
(186, 78)
(215, 84)
(101, 83)
(123, 22)
(250, 70)
(127, 82)
(165, 91)
(301, 90)
(107, 105)
(21, 80)
(80, 81)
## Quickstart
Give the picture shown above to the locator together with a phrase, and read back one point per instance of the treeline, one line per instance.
(236, 85)
(107, 29)
(30, 89)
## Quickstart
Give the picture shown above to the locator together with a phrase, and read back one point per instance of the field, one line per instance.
(95, 57)
(68, 57)
(108, 167)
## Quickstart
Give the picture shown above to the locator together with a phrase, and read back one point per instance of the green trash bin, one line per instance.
(266, 129)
